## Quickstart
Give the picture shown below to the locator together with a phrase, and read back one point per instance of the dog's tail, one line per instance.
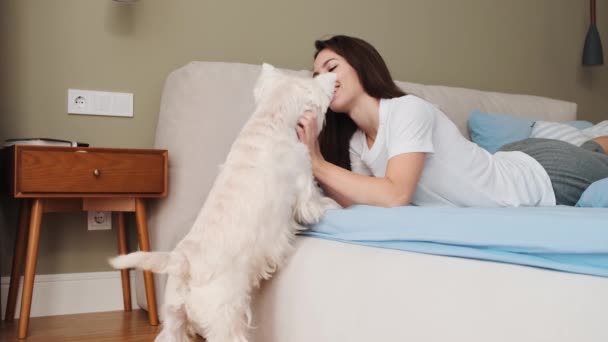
(173, 263)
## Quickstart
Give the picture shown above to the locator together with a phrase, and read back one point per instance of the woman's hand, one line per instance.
(307, 133)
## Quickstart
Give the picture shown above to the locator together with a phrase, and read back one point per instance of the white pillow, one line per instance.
(598, 130)
(558, 131)
(567, 133)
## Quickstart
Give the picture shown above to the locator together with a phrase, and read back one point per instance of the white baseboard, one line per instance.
(70, 293)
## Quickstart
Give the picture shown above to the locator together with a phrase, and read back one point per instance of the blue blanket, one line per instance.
(560, 238)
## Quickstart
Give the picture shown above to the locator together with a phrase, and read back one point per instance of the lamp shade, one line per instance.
(592, 52)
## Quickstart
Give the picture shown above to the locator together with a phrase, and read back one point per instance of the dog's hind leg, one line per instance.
(173, 314)
(174, 325)
(223, 306)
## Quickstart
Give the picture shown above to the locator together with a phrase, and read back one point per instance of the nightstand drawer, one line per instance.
(89, 170)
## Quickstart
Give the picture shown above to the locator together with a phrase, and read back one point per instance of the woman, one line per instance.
(417, 156)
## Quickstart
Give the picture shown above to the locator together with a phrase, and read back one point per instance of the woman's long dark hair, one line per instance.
(376, 80)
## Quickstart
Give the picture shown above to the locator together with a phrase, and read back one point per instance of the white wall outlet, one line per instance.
(100, 220)
(91, 102)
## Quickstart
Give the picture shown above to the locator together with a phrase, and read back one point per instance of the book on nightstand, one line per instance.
(44, 142)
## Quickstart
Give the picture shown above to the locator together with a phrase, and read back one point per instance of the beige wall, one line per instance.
(522, 46)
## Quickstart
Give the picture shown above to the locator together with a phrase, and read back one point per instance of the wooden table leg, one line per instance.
(18, 256)
(122, 249)
(30, 268)
(144, 244)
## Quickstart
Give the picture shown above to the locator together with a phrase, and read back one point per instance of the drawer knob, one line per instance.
(96, 172)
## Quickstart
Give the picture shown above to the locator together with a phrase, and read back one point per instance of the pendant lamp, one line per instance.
(592, 52)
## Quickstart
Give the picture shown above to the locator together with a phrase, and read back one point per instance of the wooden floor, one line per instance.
(115, 326)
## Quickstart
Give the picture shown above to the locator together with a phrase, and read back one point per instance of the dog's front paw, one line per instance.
(311, 212)
(328, 203)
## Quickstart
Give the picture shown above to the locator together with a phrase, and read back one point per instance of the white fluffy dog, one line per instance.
(246, 227)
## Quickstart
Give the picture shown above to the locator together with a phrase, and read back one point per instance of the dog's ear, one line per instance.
(327, 82)
(265, 80)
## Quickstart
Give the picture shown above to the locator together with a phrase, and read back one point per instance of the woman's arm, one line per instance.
(603, 141)
(396, 188)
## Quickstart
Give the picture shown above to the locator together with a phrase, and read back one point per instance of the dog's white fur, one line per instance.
(245, 229)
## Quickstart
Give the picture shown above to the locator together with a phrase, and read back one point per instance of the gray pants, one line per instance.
(571, 168)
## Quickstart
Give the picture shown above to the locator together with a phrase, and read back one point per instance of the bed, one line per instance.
(333, 289)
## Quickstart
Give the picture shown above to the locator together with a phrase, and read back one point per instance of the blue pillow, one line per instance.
(493, 130)
(596, 195)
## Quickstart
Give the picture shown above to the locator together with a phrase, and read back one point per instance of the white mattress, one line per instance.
(331, 291)
(337, 292)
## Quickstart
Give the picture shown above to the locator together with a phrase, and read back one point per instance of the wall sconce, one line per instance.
(592, 52)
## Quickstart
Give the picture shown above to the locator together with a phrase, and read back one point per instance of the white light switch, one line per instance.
(100, 103)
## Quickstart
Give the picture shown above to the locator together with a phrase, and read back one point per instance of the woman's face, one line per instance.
(348, 86)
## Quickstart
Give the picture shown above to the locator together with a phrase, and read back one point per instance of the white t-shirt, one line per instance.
(457, 172)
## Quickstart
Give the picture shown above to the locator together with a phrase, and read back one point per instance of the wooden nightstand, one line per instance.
(60, 179)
